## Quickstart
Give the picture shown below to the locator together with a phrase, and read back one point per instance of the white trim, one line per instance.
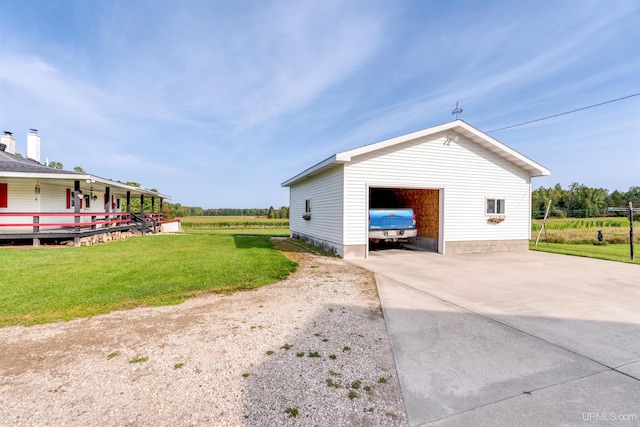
(495, 199)
(441, 218)
(459, 126)
(86, 178)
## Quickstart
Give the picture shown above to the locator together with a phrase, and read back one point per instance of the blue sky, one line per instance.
(217, 102)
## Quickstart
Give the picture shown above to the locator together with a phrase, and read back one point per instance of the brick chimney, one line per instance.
(33, 145)
(9, 141)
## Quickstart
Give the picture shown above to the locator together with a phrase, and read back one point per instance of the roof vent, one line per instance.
(3, 147)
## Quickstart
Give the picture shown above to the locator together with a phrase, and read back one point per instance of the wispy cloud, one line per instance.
(52, 93)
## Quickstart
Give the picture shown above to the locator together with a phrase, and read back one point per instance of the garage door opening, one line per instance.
(426, 206)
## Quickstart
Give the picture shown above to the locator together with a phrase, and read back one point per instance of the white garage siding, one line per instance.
(325, 228)
(471, 174)
(465, 165)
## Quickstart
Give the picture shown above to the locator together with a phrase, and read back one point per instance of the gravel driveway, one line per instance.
(240, 360)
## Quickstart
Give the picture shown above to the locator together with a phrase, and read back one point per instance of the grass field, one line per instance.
(579, 237)
(619, 252)
(215, 222)
(50, 284)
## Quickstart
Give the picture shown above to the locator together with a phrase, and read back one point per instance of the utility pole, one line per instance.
(631, 210)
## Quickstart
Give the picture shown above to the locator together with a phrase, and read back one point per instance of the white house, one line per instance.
(470, 192)
(37, 201)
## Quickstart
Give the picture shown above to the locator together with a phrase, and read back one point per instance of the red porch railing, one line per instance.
(85, 219)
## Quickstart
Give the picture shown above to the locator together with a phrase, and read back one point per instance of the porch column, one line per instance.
(76, 210)
(107, 204)
(153, 210)
(128, 207)
(144, 222)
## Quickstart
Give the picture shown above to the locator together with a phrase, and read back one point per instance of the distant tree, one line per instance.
(633, 196)
(168, 211)
(284, 212)
(616, 199)
(271, 213)
(581, 201)
(56, 165)
(78, 169)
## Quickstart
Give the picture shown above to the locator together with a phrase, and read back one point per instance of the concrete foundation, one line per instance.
(330, 247)
(426, 243)
(481, 246)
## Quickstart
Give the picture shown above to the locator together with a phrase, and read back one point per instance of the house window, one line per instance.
(307, 206)
(495, 206)
(4, 195)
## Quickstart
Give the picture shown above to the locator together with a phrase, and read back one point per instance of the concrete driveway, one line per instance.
(513, 339)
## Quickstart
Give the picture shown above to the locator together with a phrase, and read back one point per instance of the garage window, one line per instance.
(495, 206)
(307, 206)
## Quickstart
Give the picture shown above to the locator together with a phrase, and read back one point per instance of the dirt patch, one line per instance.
(241, 359)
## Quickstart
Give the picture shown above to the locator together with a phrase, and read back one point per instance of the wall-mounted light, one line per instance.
(94, 197)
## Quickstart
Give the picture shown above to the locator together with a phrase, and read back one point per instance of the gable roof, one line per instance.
(459, 126)
(17, 167)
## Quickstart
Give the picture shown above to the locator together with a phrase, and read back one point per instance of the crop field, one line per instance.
(585, 230)
(579, 237)
(215, 222)
(580, 223)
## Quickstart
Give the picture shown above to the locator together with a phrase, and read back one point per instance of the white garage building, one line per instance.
(470, 192)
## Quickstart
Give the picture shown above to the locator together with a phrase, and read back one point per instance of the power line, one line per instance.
(567, 112)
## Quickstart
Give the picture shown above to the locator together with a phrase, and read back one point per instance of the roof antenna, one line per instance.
(457, 111)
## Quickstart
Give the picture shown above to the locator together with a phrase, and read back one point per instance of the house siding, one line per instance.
(21, 197)
(52, 198)
(325, 228)
(468, 173)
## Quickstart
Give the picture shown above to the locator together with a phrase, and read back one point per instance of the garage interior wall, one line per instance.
(425, 204)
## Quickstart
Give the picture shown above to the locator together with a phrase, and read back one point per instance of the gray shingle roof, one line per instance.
(12, 163)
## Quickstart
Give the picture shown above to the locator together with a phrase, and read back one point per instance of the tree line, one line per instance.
(581, 201)
(175, 210)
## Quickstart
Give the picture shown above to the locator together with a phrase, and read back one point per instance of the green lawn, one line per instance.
(48, 284)
(612, 252)
(275, 232)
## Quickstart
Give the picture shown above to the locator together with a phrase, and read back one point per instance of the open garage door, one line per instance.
(426, 206)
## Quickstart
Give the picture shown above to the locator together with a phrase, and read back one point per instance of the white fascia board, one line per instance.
(346, 156)
(510, 154)
(84, 178)
(534, 168)
(108, 182)
(481, 138)
(42, 175)
(326, 164)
